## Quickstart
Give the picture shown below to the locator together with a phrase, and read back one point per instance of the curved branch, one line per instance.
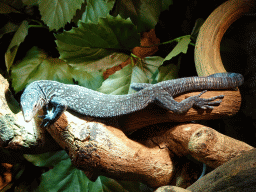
(99, 149)
(153, 114)
(15, 132)
(207, 51)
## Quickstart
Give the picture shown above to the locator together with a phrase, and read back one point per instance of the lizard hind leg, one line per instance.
(208, 103)
(166, 101)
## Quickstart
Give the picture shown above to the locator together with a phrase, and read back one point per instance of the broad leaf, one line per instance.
(105, 63)
(91, 80)
(143, 13)
(117, 185)
(64, 177)
(56, 13)
(78, 54)
(168, 72)
(48, 159)
(119, 82)
(8, 28)
(181, 47)
(4, 8)
(17, 39)
(38, 66)
(166, 4)
(149, 65)
(30, 2)
(138, 76)
(88, 39)
(197, 26)
(95, 10)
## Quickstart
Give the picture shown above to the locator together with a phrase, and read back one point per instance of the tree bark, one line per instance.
(238, 174)
(105, 150)
(153, 114)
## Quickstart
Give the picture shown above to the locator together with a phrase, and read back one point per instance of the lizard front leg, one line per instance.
(166, 101)
(59, 105)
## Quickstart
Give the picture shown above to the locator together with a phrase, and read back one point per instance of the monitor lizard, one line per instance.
(93, 103)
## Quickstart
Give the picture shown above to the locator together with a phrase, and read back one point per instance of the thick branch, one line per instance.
(15, 132)
(153, 114)
(201, 142)
(207, 50)
(237, 174)
(105, 150)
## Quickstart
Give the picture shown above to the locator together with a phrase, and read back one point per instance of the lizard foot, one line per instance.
(202, 103)
(47, 119)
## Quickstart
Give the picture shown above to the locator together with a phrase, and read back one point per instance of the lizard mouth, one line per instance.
(27, 116)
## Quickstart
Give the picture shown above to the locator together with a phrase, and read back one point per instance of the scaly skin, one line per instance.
(92, 103)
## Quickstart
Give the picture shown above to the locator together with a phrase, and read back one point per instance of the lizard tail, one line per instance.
(235, 79)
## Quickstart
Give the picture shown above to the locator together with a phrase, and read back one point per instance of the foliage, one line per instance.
(89, 40)
(65, 177)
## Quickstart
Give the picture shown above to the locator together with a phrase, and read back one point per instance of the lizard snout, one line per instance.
(27, 116)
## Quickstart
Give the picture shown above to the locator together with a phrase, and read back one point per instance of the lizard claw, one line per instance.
(46, 122)
(47, 119)
(43, 124)
(202, 103)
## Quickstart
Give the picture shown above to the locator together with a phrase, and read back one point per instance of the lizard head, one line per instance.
(32, 100)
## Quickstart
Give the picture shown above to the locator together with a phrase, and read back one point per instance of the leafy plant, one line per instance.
(96, 42)
(65, 177)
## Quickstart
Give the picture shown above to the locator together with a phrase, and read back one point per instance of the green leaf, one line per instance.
(97, 186)
(38, 66)
(118, 83)
(91, 80)
(95, 10)
(110, 185)
(143, 13)
(48, 159)
(168, 72)
(110, 4)
(8, 28)
(78, 54)
(64, 177)
(197, 26)
(142, 72)
(89, 39)
(56, 13)
(17, 39)
(138, 76)
(105, 63)
(118, 185)
(30, 2)
(149, 65)
(166, 4)
(4, 8)
(181, 47)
